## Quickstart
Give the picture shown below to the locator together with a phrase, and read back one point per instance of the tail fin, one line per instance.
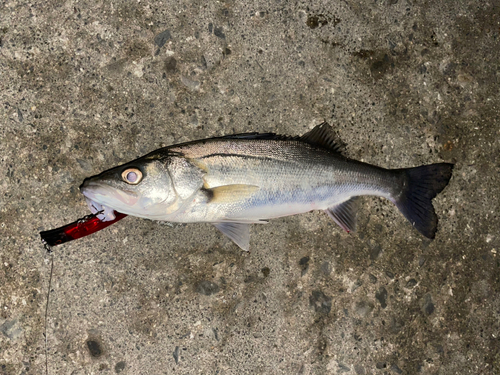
(422, 185)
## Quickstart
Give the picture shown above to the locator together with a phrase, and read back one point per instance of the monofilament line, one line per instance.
(47, 313)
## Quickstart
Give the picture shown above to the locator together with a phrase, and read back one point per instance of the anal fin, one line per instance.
(344, 214)
(239, 233)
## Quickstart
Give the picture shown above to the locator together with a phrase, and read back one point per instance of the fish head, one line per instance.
(140, 188)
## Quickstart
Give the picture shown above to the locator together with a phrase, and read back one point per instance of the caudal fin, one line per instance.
(422, 185)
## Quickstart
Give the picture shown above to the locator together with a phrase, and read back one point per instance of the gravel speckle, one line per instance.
(326, 268)
(219, 32)
(94, 348)
(207, 287)
(411, 283)
(395, 368)
(360, 370)
(162, 38)
(176, 354)
(191, 84)
(427, 304)
(380, 365)
(363, 308)
(381, 296)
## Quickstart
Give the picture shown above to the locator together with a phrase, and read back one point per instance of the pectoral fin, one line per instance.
(238, 232)
(232, 193)
(344, 214)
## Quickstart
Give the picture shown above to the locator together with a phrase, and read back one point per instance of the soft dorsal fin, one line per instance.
(323, 136)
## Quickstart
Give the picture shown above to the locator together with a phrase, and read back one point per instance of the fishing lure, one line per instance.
(78, 229)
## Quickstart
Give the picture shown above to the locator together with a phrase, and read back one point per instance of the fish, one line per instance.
(235, 181)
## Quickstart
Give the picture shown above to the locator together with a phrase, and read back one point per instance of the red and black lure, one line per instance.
(80, 228)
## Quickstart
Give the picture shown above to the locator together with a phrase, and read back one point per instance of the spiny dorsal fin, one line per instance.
(323, 136)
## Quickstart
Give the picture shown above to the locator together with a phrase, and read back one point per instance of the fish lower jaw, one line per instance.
(103, 213)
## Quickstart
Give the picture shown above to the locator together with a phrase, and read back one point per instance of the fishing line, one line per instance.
(51, 255)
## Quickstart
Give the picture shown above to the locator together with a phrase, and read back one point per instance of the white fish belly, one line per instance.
(278, 210)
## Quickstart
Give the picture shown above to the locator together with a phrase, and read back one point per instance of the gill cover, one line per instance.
(166, 183)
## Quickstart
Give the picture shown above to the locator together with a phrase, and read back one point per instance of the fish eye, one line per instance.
(132, 176)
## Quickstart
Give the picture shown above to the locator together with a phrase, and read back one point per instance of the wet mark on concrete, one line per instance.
(363, 53)
(11, 329)
(375, 251)
(396, 324)
(116, 66)
(319, 20)
(427, 304)
(343, 368)
(266, 271)
(380, 67)
(322, 345)
(304, 264)
(136, 49)
(170, 64)
(320, 301)
(120, 366)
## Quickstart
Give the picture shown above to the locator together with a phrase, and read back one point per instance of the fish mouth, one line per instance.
(96, 195)
(103, 213)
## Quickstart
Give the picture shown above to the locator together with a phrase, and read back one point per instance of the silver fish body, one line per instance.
(238, 180)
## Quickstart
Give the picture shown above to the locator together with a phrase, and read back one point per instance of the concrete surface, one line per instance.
(87, 85)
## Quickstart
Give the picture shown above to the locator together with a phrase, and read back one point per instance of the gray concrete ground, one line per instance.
(87, 85)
